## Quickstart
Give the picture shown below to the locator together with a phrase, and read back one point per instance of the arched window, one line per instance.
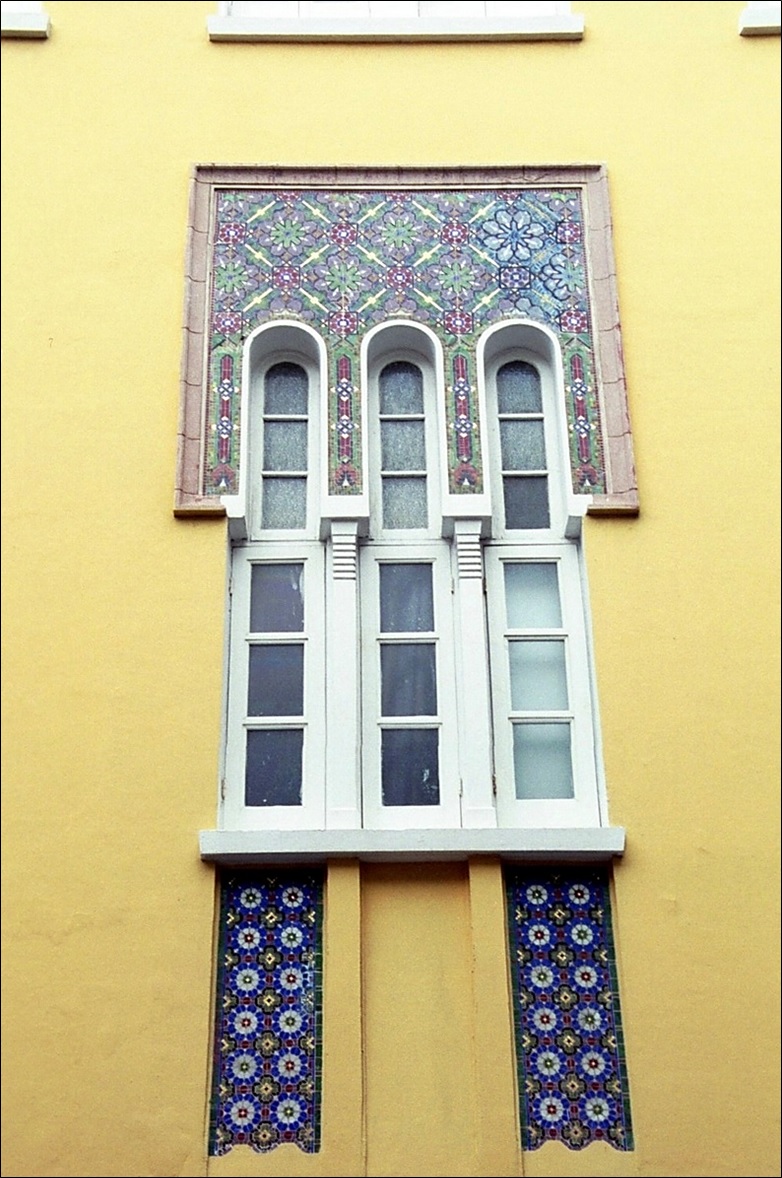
(409, 763)
(275, 728)
(542, 694)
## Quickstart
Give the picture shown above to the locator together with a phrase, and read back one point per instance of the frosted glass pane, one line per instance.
(403, 445)
(275, 686)
(518, 388)
(542, 763)
(523, 445)
(406, 601)
(285, 389)
(401, 388)
(273, 768)
(532, 596)
(284, 503)
(410, 775)
(404, 503)
(537, 676)
(408, 679)
(285, 445)
(276, 598)
(526, 501)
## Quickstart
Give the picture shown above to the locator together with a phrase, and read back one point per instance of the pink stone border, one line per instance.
(621, 497)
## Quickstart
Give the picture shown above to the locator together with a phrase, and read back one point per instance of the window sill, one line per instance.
(548, 28)
(31, 25)
(760, 20)
(251, 848)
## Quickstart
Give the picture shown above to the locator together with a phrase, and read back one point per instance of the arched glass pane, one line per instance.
(401, 388)
(518, 388)
(285, 389)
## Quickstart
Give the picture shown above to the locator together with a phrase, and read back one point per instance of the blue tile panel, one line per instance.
(266, 1083)
(569, 1046)
(344, 261)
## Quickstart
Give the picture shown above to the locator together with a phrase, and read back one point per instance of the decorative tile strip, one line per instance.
(570, 1051)
(267, 1049)
(345, 260)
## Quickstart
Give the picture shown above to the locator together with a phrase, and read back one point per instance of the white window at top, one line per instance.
(410, 770)
(543, 710)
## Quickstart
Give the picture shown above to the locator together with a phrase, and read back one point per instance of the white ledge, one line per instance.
(760, 20)
(34, 25)
(533, 28)
(251, 847)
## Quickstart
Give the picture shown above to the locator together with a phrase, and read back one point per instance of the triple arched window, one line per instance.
(398, 662)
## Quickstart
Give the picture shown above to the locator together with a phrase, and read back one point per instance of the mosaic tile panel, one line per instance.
(266, 1083)
(570, 1052)
(344, 261)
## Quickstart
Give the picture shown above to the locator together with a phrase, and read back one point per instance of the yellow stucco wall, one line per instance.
(113, 610)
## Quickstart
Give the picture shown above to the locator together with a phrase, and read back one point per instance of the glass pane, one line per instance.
(403, 445)
(518, 388)
(523, 446)
(285, 445)
(401, 388)
(541, 761)
(276, 682)
(277, 598)
(273, 771)
(526, 502)
(408, 679)
(285, 389)
(284, 503)
(404, 503)
(532, 596)
(537, 676)
(406, 602)
(410, 774)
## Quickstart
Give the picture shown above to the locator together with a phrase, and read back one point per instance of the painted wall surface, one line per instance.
(113, 609)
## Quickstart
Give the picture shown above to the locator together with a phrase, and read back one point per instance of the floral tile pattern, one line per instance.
(570, 1052)
(345, 260)
(267, 1050)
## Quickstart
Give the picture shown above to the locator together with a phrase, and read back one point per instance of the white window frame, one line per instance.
(583, 809)
(387, 20)
(447, 812)
(537, 345)
(310, 815)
